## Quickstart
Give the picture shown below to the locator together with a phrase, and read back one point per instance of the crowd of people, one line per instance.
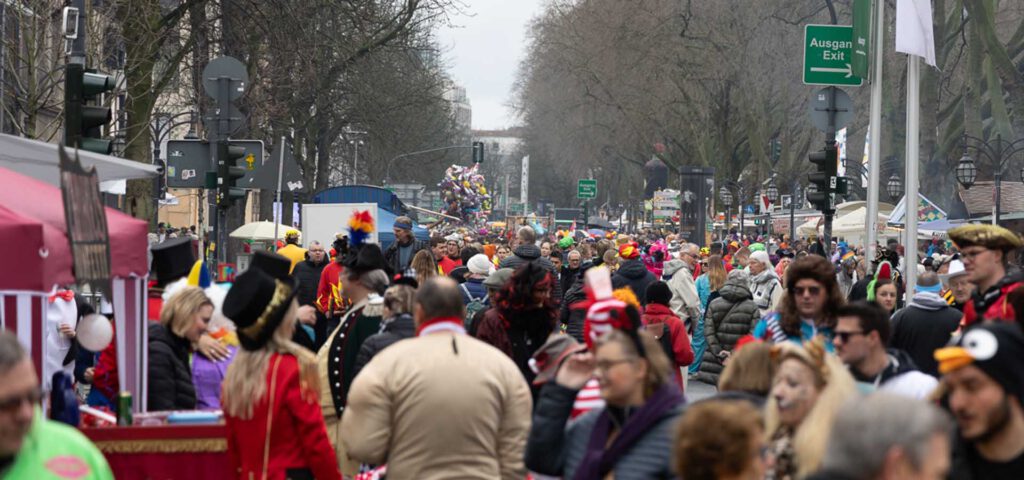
(473, 355)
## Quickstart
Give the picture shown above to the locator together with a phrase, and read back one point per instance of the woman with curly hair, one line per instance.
(808, 309)
(523, 316)
(720, 439)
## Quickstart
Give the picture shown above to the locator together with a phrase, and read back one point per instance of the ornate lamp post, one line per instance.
(999, 153)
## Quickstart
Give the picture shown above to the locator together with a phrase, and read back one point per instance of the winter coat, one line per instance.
(922, 327)
(393, 257)
(685, 299)
(573, 319)
(567, 278)
(397, 328)
(557, 446)
(441, 405)
(900, 377)
(516, 333)
(682, 354)
(633, 274)
(308, 274)
(476, 289)
(859, 290)
(529, 253)
(729, 318)
(767, 291)
(170, 378)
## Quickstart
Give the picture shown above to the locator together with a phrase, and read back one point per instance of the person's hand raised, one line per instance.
(576, 371)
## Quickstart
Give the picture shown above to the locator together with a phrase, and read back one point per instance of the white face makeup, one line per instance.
(794, 392)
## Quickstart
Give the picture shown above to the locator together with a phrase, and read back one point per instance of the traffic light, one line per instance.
(84, 113)
(229, 172)
(824, 179)
(478, 152)
(776, 150)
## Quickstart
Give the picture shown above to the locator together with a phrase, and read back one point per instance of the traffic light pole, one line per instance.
(830, 143)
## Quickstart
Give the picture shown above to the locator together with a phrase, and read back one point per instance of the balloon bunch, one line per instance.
(464, 194)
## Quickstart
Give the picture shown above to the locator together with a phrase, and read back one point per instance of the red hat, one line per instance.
(629, 250)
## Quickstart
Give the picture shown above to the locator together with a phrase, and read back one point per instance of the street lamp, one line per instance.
(726, 192)
(894, 187)
(966, 171)
(773, 192)
(727, 201)
(999, 153)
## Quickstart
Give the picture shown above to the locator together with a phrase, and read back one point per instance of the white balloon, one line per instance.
(95, 332)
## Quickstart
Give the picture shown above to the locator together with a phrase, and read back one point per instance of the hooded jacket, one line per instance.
(730, 316)
(685, 300)
(766, 290)
(633, 274)
(900, 377)
(528, 253)
(922, 327)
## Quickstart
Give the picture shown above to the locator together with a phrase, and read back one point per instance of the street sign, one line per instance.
(225, 67)
(586, 189)
(188, 161)
(818, 108)
(828, 54)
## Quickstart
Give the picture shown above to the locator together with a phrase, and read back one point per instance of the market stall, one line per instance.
(38, 259)
(196, 452)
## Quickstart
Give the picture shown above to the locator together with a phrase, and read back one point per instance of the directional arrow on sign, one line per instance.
(848, 70)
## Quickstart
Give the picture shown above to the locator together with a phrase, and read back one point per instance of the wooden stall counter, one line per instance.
(164, 452)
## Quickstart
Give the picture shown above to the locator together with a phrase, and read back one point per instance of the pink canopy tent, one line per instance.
(37, 257)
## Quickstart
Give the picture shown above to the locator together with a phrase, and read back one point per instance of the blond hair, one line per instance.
(245, 383)
(750, 370)
(178, 311)
(424, 265)
(716, 272)
(835, 385)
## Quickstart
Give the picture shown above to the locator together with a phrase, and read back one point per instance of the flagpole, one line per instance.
(913, 145)
(875, 130)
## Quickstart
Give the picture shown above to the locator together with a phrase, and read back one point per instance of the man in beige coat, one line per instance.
(441, 405)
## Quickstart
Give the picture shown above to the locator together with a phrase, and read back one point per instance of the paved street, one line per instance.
(698, 391)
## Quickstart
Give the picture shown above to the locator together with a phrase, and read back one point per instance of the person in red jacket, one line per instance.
(275, 427)
(984, 249)
(667, 328)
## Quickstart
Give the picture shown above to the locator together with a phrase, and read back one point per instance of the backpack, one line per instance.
(474, 306)
(663, 335)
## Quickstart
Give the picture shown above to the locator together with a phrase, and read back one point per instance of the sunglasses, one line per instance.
(845, 336)
(812, 291)
(12, 404)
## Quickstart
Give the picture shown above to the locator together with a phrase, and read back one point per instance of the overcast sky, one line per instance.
(484, 48)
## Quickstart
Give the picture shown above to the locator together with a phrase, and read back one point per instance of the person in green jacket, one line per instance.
(30, 445)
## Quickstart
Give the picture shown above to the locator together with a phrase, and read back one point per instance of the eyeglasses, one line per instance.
(845, 336)
(605, 365)
(970, 254)
(12, 404)
(812, 291)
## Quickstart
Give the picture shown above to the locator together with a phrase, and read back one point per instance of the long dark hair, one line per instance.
(819, 269)
(517, 294)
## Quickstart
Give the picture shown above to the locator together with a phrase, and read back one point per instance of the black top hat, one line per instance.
(172, 259)
(257, 304)
(277, 266)
(365, 258)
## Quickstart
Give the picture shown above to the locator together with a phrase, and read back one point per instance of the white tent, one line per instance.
(39, 160)
(854, 227)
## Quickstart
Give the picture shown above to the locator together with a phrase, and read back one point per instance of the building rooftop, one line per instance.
(980, 198)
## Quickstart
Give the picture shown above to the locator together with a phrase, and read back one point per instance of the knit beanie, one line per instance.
(658, 292)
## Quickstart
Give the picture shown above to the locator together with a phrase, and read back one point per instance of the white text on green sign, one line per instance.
(828, 53)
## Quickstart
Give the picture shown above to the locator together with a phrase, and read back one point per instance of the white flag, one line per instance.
(914, 29)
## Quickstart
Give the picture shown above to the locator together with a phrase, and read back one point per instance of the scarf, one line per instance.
(598, 461)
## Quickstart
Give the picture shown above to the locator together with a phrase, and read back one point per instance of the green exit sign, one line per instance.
(828, 54)
(586, 188)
